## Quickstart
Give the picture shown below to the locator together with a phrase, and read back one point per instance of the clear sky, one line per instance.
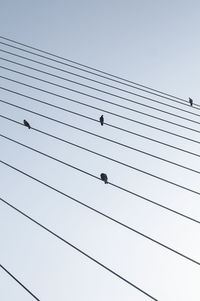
(155, 43)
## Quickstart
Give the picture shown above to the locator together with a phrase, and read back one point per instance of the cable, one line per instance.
(88, 132)
(79, 250)
(96, 89)
(116, 186)
(116, 161)
(106, 216)
(96, 74)
(139, 112)
(142, 123)
(94, 107)
(84, 77)
(3, 268)
(113, 141)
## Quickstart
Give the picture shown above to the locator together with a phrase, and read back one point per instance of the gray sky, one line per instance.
(153, 43)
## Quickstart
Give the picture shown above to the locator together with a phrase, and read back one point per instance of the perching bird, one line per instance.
(27, 124)
(190, 101)
(101, 119)
(104, 178)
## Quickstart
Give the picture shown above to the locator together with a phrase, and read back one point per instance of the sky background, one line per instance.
(155, 43)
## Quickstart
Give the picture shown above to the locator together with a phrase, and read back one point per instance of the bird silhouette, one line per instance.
(104, 178)
(27, 124)
(101, 119)
(191, 101)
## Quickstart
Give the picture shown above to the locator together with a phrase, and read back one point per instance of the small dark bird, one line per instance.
(104, 178)
(191, 101)
(27, 124)
(101, 119)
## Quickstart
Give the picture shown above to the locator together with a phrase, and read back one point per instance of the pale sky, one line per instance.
(154, 43)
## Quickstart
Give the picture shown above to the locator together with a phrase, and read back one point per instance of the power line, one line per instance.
(137, 111)
(93, 107)
(71, 73)
(139, 122)
(125, 81)
(110, 140)
(96, 135)
(112, 184)
(116, 161)
(11, 275)
(83, 77)
(96, 89)
(79, 250)
(102, 214)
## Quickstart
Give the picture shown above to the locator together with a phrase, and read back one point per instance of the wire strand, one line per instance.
(137, 111)
(99, 136)
(99, 90)
(94, 107)
(138, 122)
(129, 166)
(121, 188)
(125, 81)
(11, 275)
(106, 216)
(87, 78)
(79, 250)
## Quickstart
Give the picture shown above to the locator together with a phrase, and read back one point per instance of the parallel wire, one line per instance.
(101, 137)
(92, 175)
(129, 166)
(72, 73)
(125, 81)
(99, 90)
(112, 184)
(141, 123)
(11, 275)
(96, 135)
(101, 213)
(94, 107)
(77, 249)
(137, 111)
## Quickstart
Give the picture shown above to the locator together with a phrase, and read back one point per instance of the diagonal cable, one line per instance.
(11, 275)
(112, 184)
(139, 122)
(95, 89)
(79, 250)
(113, 78)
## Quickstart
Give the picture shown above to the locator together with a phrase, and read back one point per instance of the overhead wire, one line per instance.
(99, 90)
(125, 107)
(108, 124)
(112, 184)
(116, 161)
(11, 275)
(102, 214)
(100, 109)
(139, 122)
(83, 77)
(113, 78)
(98, 178)
(78, 249)
(98, 136)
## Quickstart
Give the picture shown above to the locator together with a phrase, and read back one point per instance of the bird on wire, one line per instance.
(191, 101)
(101, 119)
(104, 178)
(27, 124)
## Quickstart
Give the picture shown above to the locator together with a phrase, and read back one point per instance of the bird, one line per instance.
(101, 119)
(191, 101)
(27, 124)
(104, 178)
